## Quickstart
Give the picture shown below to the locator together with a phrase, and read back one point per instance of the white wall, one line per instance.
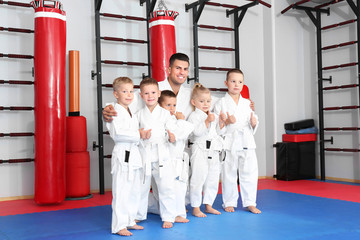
(277, 54)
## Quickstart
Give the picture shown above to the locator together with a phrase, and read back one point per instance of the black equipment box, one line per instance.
(307, 123)
(295, 160)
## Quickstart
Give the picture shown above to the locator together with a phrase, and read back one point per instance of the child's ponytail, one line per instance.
(197, 89)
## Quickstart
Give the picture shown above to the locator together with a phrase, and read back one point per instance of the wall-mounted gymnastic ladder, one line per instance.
(150, 4)
(238, 12)
(21, 57)
(315, 15)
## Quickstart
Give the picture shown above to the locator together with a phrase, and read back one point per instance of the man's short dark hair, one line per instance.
(178, 56)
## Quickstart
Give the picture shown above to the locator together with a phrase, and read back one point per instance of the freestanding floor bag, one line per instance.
(295, 160)
(162, 42)
(50, 103)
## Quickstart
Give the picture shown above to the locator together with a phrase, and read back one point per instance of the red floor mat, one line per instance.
(29, 206)
(314, 188)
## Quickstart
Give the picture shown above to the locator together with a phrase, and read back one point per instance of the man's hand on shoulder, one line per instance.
(108, 113)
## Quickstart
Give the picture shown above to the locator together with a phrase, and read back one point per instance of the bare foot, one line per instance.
(124, 232)
(253, 209)
(197, 213)
(210, 209)
(180, 219)
(137, 221)
(167, 225)
(136, 227)
(229, 209)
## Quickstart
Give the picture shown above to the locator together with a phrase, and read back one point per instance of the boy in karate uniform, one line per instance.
(180, 158)
(155, 123)
(126, 164)
(239, 143)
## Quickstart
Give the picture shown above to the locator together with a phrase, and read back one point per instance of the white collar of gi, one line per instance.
(201, 112)
(120, 108)
(228, 97)
(167, 86)
(156, 108)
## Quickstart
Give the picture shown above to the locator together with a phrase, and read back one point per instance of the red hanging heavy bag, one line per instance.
(50, 103)
(162, 42)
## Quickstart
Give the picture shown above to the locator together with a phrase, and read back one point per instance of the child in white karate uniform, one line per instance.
(207, 144)
(126, 164)
(239, 143)
(155, 123)
(181, 159)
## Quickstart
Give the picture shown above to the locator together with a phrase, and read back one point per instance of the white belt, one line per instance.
(237, 144)
(162, 151)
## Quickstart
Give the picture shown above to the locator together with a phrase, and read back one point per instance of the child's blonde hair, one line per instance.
(198, 89)
(121, 80)
(148, 81)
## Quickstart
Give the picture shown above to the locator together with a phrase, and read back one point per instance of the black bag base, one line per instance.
(307, 123)
(295, 160)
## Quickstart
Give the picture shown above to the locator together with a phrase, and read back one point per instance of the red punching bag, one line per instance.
(162, 42)
(50, 103)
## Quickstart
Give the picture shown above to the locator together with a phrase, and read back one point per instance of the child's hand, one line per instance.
(145, 134)
(211, 117)
(171, 137)
(222, 116)
(231, 119)
(148, 134)
(179, 115)
(253, 120)
(222, 120)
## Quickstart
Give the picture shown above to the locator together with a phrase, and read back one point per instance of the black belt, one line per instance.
(127, 156)
(208, 144)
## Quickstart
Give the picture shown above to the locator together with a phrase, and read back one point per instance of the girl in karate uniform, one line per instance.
(126, 164)
(239, 143)
(207, 144)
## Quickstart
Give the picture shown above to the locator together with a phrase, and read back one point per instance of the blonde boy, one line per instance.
(126, 164)
(239, 143)
(155, 123)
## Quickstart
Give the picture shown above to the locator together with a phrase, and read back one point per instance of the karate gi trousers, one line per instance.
(245, 164)
(165, 184)
(126, 197)
(204, 181)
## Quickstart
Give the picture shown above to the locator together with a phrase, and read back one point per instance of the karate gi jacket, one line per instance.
(240, 135)
(124, 130)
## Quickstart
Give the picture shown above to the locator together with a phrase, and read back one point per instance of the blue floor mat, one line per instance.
(285, 216)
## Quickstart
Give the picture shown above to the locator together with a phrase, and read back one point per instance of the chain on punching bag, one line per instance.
(162, 40)
(50, 103)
